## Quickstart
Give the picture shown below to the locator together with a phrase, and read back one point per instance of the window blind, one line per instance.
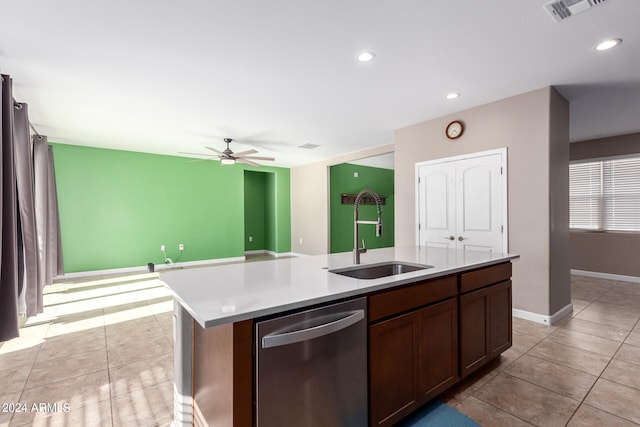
(621, 194)
(605, 195)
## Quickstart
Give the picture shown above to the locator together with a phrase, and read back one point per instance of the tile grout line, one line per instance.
(582, 402)
(106, 349)
(24, 387)
(485, 384)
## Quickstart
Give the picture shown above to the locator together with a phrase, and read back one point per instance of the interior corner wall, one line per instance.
(342, 180)
(282, 211)
(270, 216)
(522, 124)
(610, 252)
(118, 207)
(254, 211)
(310, 201)
(559, 244)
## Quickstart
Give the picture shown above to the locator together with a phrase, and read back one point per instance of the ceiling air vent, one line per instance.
(562, 9)
(308, 146)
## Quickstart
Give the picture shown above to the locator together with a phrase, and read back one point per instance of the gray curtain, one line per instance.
(30, 285)
(31, 250)
(8, 219)
(47, 221)
(55, 236)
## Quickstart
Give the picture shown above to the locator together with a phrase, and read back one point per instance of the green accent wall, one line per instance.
(261, 217)
(254, 210)
(270, 218)
(118, 207)
(342, 180)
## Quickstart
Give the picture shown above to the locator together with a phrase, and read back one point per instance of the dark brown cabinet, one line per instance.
(413, 350)
(485, 316)
(425, 337)
(394, 366)
(439, 348)
(413, 358)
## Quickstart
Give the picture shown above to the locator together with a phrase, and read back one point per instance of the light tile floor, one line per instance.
(102, 352)
(584, 371)
(102, 347)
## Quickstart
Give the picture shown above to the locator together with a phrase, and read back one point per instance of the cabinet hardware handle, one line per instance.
(449, 237)
(460, 238)
(286, 338)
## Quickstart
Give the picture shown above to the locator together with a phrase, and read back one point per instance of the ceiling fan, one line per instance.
(228, 157)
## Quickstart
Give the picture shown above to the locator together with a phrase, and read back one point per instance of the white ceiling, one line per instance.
(164, 76)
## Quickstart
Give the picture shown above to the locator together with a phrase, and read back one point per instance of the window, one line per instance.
(605, 195)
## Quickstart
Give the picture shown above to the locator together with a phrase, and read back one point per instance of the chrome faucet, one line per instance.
(356, 250)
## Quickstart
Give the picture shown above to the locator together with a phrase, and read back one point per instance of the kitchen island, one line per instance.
(216, 309)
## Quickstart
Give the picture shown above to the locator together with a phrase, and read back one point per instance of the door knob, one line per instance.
(450, 237)
(460, 238)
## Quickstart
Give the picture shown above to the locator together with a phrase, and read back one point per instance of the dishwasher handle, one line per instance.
(286, 338)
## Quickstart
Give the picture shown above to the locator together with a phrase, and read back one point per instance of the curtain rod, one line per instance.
(18, 106)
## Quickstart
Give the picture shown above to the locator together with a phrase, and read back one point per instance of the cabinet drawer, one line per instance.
(406, 298)
(484, 277)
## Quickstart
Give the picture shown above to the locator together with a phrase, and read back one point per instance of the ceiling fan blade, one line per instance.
(199, 160)
(213, 149)
(198, 154)
(244, 160)
(244, 153)
(259, 158)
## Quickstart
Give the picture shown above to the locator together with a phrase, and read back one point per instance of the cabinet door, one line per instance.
(438, 348)
(500, 318)
(393, 369)
(474, 351)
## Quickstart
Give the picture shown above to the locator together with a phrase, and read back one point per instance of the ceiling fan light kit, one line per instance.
(228, 161)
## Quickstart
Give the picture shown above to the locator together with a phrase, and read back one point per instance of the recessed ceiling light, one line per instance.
(608, 44)
(366, 56)
(453, 95)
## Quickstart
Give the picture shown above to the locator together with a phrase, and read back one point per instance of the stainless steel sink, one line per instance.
(375, 271)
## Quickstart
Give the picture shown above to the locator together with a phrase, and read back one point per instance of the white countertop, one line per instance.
(229, 293)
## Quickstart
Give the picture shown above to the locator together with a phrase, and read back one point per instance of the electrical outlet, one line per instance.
(162, 248)
(181, 247)
(251, 238)
(301, 240)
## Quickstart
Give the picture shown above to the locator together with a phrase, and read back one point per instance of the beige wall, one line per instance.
(310, 201)
(559, 245)
(604, 147)
(612, 253)
(534, 127)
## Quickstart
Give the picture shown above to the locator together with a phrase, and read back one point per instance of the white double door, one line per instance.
(461, 202)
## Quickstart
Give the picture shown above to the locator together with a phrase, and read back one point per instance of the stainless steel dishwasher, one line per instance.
(312, 367)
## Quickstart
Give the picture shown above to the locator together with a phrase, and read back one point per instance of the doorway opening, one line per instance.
(260, 227)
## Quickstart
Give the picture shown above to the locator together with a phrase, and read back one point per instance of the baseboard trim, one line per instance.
(272, 253)
(255, 252)
(281, 254)
(541, 318)
(296, 254)
(608, 276)
(142, 269)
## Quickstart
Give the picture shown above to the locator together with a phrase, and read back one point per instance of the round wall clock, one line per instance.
(454, 129)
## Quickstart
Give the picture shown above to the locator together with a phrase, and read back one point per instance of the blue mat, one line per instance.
(438, 414)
